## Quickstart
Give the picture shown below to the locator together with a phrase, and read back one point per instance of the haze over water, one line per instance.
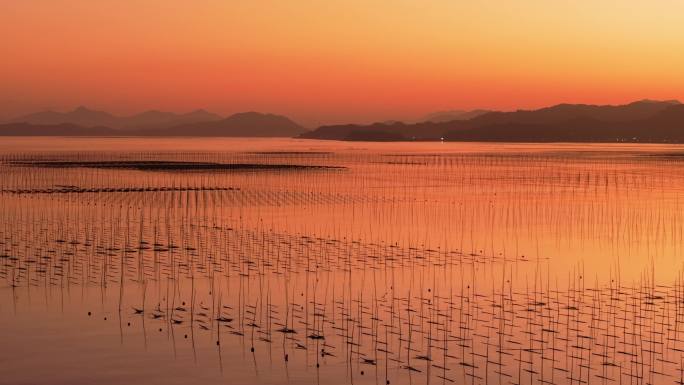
(273, 261)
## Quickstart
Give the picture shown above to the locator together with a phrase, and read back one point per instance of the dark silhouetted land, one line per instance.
(87, 118)
(84, 122)
(641, 121)
(252, 124)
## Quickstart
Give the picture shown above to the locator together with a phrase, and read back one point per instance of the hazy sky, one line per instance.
(336, 61)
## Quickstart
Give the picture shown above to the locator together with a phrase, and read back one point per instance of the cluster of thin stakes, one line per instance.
(402, 268)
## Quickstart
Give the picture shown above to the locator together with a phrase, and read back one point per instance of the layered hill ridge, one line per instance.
(641, 121)
(255, 124)
(86, 122)
(85, 117)
(448, 116)
(62, 129)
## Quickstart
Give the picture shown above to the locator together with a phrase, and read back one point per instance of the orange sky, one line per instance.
(336, 61)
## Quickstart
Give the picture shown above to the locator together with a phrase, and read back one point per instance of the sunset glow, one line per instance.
(359, 192)
(324, 62)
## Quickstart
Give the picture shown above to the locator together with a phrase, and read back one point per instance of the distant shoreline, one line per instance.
(344, 141)
(644, 121)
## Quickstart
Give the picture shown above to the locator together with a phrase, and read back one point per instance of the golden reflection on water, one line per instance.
(410, 262)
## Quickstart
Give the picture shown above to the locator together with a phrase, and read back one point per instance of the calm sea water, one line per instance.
(262, 261)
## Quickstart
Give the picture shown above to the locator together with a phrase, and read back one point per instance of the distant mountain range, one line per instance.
(641, 121)
(85, 122)
(253, 124)
(62, 129)
(448, 116)
(85, 117)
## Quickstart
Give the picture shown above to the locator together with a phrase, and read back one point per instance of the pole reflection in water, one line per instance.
(275, 261)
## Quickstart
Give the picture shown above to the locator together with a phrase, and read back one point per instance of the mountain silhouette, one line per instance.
(156, 123)
(80, 116)
(253, 124)
(564, 112)
(84, 121)
(641, 121)
(63, 129)
(448, 116)
(85, 117)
